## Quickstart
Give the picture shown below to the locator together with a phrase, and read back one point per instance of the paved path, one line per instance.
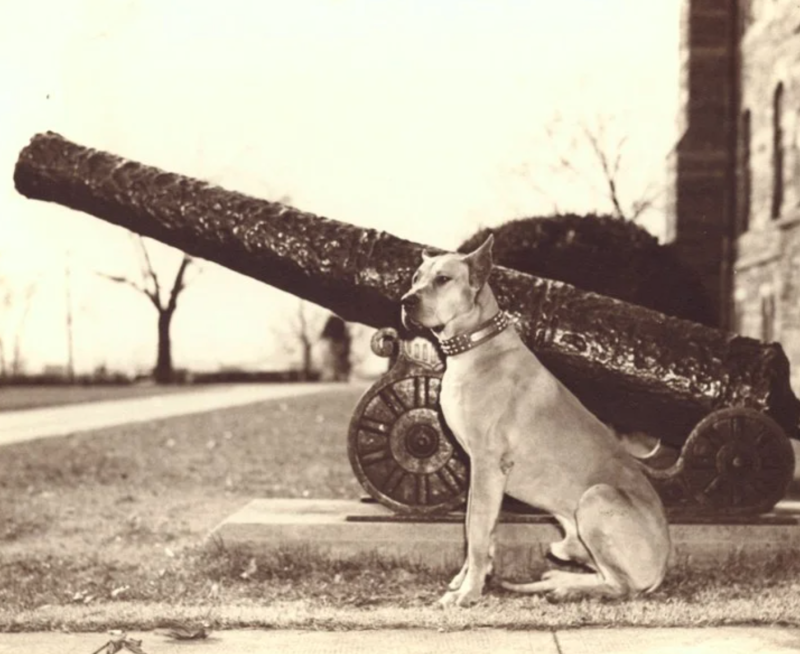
(29, 424)
(730, 640)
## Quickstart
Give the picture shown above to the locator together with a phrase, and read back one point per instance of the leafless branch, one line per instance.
(591, 153)
(179, 284)
(524, 170)
(150, 285)
(119, 279)
(148, 272)
(648, 200)
(563, 157)
(302, 321)
(610, 171)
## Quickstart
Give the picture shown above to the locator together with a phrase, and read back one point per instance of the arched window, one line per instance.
(777, 152)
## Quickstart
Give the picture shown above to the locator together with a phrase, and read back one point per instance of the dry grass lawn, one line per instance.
(104, 530)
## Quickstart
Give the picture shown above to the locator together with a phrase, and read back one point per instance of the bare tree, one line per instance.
(25, 297)
(165, 300)
(305, 339)
(300, 334)
(594, 154)
(15, 304)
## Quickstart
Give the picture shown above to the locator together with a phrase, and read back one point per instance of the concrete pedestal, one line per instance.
(352, 530)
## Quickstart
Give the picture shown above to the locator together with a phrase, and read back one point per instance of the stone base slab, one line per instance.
(353, 529)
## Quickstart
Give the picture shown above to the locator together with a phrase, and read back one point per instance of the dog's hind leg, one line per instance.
(627, 536)
(570, 549)
(627, 540)
(561, 585)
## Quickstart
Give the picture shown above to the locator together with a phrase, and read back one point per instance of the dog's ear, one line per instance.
(427, 255)
(480, 263)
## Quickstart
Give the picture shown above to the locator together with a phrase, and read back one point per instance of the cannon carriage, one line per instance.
(735, 461)
(720, 402)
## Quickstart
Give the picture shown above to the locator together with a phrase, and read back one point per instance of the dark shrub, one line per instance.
(601, 254)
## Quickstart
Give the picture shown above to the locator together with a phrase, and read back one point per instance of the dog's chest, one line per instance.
(464, 408)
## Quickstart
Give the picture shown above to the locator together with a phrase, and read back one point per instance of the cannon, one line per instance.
(723, 401)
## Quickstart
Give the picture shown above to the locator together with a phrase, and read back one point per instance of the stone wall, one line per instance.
(766, 286)
(770, 56)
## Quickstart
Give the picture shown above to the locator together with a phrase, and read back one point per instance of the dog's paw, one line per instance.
(558, 596)
(459, 598)
(564, 595)
(458, 580)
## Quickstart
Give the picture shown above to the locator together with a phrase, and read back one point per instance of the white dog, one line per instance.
(530, 437)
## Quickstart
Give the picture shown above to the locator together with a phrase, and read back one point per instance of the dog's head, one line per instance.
(446, 286)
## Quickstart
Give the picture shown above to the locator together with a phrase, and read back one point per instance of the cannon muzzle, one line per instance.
(635, 368)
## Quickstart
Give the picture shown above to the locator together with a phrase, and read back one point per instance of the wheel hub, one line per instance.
(422, 441)
(416, 443)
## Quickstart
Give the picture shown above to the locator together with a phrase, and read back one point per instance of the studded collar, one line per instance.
(472, 339)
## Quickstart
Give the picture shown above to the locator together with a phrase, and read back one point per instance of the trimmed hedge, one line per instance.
(602, 254)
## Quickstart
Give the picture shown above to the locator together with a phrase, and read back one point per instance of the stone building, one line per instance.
(735, 211)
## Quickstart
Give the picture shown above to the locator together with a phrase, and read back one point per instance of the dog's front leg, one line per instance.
(455, 582)
(487, 483)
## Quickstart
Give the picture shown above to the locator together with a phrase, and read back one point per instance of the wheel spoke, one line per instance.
(736, 430)
(749, 490)
(735, 493)
(713, 486)
(455, 468)
(376, 456)
(761, 437)
(393, 401)
(422, 489)
(704, 446)
(393, 480)
(713, 438)
(449, 480)
(374, 426)
(703, 462)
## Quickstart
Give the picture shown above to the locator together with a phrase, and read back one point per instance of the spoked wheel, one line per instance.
(398, 447)
(737, 460)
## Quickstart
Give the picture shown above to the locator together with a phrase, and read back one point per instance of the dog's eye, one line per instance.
(440, 280)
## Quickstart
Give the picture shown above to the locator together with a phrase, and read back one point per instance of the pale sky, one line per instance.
(417, 117)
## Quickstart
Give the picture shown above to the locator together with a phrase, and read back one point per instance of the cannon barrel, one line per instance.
(635, 368)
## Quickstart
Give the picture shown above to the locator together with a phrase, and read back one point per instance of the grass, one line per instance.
(16, 398)
(104, 530)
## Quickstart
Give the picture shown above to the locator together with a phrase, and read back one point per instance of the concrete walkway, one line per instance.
(731, 640)
(29, 424)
